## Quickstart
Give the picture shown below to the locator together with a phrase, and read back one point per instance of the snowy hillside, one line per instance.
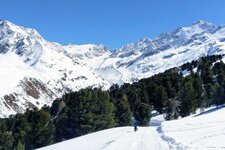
(34, 71)
(202, 131)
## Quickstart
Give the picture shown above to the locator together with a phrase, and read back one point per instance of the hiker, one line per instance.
(135, 126)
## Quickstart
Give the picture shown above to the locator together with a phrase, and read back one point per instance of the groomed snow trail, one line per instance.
(123, 138)
(146, 138)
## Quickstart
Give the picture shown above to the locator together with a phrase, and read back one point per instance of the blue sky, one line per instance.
(110, 22)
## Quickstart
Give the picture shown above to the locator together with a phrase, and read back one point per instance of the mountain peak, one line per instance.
(8, 27)
(3, 21)
(144, 40)
(24, 42)
(5, 24)
(86, 50)
(204, 25)
(202, 22)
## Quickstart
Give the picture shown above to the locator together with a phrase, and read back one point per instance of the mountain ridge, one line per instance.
(36, 71)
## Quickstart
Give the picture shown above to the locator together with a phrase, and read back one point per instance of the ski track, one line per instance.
(146, 138)
(125, 138)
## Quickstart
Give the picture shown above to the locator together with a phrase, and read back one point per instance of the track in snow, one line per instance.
(146, 138)
(124, 138)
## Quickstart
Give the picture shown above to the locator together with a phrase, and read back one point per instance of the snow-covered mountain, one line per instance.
(202, 131)
(150, 56)
(35, 71)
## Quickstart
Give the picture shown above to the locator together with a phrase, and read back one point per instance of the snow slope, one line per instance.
(124, 138)
(205, 131)
(35, 71)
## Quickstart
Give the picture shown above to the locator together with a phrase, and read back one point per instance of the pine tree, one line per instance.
(172, 109)
(6, 141)
(171, 92)
(219, 94)
(160, 99)
(103, 110)
(207, 75)
(41, 131)
(133, 98)
(144, 96)
(209, 88)
(198, 88)
(187, 99)
(203, 101)
(169, 110)
(123, 112)
(62, 126)
(221, 78)
(20, 146)
(142, 113)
